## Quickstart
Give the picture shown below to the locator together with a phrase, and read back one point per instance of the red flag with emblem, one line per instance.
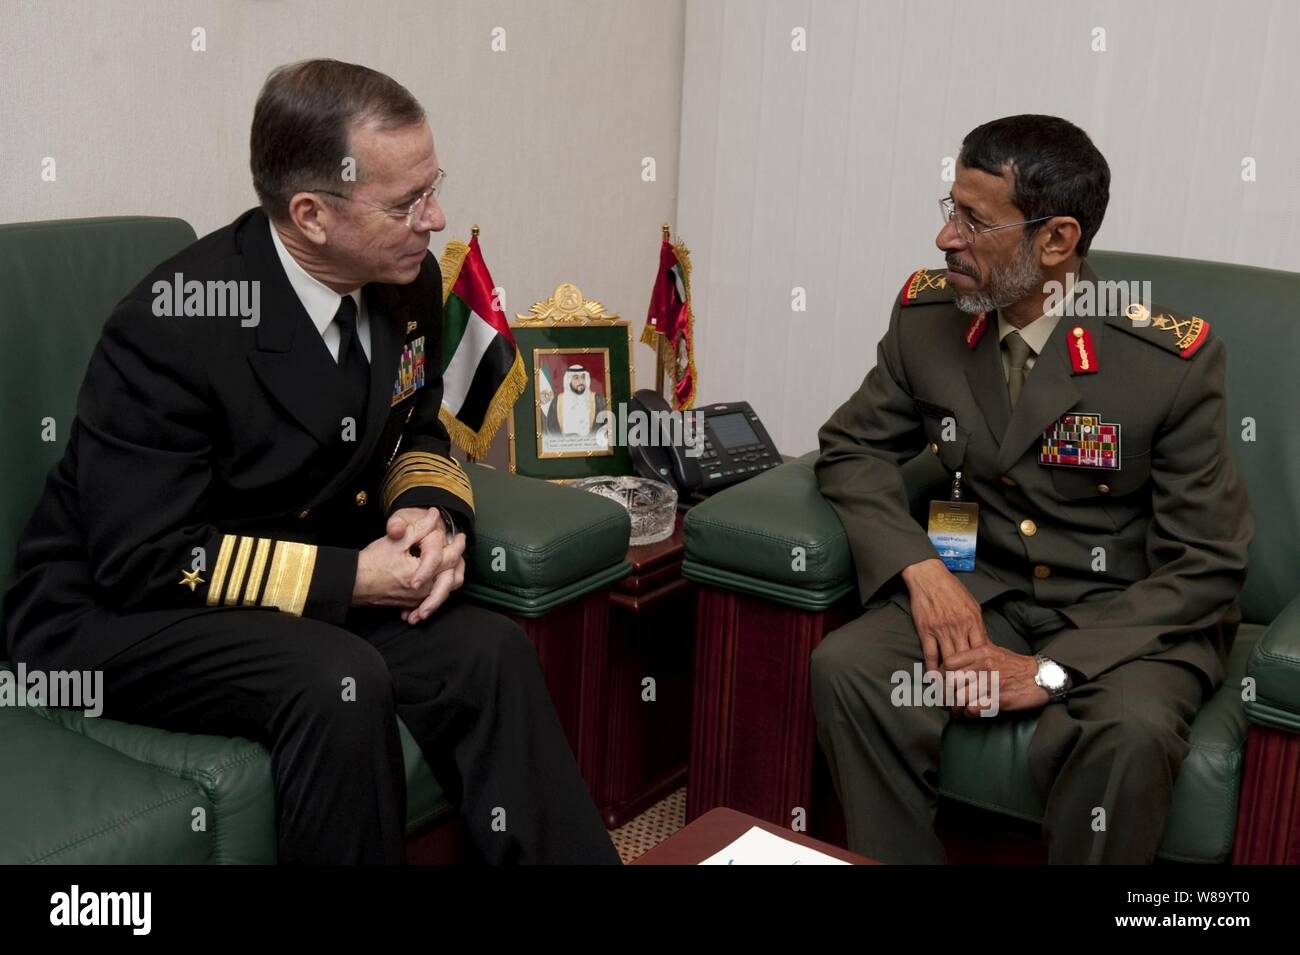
(670, 321)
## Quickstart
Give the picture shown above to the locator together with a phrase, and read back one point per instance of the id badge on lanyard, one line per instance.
(953, 528)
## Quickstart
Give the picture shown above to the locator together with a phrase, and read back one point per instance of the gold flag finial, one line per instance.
(474, 230)
(666, 231)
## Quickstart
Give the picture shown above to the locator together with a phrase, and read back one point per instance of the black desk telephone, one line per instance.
(735, 446)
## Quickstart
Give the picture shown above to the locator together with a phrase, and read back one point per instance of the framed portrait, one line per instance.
(580, 378)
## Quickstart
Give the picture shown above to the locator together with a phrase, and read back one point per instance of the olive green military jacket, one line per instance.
(1143, 560)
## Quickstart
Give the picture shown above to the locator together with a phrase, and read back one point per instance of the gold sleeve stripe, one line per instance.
(256, 572)
(435, 463)
(235, 586)
(416, 459)
(290, 577)
(451, 477)
(428, 457)
(425, 469)
(454, 477)
(219, 569)
(424, 479)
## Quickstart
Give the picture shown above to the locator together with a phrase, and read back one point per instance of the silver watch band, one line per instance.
(1056, 694)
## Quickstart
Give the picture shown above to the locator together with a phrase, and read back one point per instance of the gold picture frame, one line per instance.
(568, 324)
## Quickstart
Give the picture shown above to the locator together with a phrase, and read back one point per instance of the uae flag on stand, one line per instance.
(670, 322)
(482, 370)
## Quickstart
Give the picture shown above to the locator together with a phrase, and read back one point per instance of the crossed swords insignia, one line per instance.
(925, 280)
(1177, 327)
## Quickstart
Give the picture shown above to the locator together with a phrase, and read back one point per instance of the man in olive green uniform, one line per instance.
(1112, 524)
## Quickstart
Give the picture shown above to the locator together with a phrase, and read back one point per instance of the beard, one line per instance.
(1008, 283)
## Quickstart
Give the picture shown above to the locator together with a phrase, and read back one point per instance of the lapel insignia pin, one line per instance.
(1081, 440)
(411, 326)
(975, 330)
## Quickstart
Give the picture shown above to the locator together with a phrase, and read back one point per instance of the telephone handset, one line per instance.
(663, 461)
(735, 447)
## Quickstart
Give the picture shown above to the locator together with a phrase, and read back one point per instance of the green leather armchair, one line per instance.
(75, 789)
(775, 574)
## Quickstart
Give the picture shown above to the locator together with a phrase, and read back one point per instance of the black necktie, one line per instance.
(352, 360)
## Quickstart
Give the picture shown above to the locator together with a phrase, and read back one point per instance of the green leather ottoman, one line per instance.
(76, 789)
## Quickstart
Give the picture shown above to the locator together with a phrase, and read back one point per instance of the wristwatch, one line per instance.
(448, 523)
(1052, 677)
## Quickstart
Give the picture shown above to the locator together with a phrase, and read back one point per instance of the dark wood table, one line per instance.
(651, 635)
(720, 827)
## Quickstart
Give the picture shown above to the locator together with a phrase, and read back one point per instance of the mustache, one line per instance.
(956, 265)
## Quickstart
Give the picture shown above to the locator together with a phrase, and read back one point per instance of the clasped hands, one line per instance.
(950, 623)
(413, 566)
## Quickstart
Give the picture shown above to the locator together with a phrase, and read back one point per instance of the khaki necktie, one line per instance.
(1018, 352)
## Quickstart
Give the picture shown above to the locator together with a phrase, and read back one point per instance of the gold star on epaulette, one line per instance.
(191, 579)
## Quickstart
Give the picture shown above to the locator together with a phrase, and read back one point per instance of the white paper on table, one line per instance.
(760, 847)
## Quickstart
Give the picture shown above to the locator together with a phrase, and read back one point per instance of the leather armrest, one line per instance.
(773, 536)
(538, 545)
(233, 773)
(1275, 667)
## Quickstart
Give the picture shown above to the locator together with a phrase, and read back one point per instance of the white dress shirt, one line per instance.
(322, 302)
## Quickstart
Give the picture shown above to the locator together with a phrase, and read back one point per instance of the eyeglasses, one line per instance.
(412, 212)
(967, 230)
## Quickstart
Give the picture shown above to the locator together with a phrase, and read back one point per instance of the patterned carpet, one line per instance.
(651, 827)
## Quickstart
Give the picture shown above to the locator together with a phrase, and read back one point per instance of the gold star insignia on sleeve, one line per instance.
(191, 579)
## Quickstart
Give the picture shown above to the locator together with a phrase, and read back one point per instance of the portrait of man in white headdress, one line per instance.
(576, 408)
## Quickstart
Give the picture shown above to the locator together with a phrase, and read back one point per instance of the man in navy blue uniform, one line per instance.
(257, 528)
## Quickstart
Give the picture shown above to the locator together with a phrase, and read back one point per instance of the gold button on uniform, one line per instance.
(302, 515)
(934, 448)
(1103, 488)
(1042, 571)
(1008, 480)
(362, 497)
(1028, 528)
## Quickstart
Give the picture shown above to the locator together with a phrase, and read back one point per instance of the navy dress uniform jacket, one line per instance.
(211, 464)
